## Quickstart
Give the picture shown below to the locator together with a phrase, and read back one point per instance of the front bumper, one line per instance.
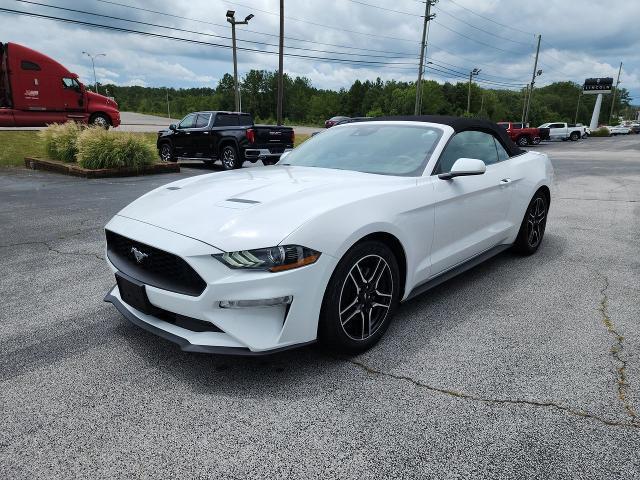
(243, 331)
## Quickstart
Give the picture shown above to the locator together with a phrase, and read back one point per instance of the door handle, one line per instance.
(505, 181)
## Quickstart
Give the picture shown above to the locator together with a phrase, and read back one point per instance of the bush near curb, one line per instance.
(99, 148)
(60, 140)
(600, 132)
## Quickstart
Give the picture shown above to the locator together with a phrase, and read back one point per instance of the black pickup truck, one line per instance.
(230, 137)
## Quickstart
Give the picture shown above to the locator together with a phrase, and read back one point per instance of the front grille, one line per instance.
(158, 268)
(188, 323)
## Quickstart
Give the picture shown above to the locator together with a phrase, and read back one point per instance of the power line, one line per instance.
(481, 29)
(84, 12)
(133, 7)
(474, 40)
(199, 42)
(376, 35)
(491, 19)
(385, 9)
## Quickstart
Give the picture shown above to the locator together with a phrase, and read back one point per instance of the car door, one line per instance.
(182, 135)
(470, 211)
(557, 131)
(72, 97)
(201, 136)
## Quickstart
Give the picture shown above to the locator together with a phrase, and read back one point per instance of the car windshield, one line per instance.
(383, 149)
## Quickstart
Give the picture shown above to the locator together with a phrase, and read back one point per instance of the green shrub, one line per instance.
(99, 148)
(60, 140)
(600, 132)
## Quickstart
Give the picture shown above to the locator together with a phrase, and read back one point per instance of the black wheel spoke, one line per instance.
(366, 297)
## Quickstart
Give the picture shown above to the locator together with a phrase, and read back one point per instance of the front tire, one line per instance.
(166, 152)
(361, 298)
(533, 225)
(575, 136)
(230, 158)
(100, 120)
(522, 141)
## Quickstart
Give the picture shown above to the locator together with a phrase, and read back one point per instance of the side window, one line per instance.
(27, 65)
(203, 120)
(516, 125)
(556, 125)
(226, 120)
(70, 84)
(502, 153)
(244, 119)
(469, 144)
(188, 122)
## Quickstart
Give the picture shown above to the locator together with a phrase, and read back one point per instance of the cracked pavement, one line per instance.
(519, 368)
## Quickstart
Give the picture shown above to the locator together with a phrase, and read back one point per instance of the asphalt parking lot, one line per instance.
(520, 368)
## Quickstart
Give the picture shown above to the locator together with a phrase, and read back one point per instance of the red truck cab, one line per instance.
(523, 135)
(35, 90)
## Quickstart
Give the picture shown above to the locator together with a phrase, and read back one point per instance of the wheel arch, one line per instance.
(396, 247)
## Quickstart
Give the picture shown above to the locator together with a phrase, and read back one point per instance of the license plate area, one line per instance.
(133, 293)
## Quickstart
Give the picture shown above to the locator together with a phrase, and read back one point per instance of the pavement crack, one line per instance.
(622, 383)
(54, 250)
(493, 401)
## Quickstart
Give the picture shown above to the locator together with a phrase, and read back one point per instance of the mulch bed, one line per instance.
(77, 171)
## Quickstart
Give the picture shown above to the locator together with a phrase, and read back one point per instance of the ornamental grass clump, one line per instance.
(600, 132)
(60, 140)
(100, 148)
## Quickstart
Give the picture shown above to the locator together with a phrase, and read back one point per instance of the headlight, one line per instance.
(274, 259)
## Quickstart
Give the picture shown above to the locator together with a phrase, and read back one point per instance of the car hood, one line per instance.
(254, 207)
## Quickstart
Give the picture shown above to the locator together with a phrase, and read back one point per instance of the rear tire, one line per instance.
(536, 141)
(230, 158)
(360, 299)
(533, 225)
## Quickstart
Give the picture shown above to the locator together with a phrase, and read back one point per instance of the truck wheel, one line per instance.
(230, 158)
(574, 136)
(166, 152)
(522, 141)
(100, 120)
(536, 140)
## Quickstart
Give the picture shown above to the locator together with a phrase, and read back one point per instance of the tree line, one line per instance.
(306, 104)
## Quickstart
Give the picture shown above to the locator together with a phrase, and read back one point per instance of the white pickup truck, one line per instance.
(565, 131)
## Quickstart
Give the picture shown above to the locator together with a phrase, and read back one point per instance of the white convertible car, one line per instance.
(325, 244)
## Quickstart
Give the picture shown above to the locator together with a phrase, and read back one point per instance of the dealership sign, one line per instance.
(598, 85)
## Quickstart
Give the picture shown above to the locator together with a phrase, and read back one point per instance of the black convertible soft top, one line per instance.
(459, 124)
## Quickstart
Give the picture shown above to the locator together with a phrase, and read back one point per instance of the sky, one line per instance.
(355, 39)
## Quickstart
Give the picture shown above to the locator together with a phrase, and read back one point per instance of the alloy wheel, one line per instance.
(366, 297)
(536, 220)
(165, 152)
(229, 158)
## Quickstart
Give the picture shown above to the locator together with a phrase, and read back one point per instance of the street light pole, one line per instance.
(232, 20)
(93, 64)
(472, 73)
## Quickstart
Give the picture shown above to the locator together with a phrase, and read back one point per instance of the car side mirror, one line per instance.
(172, 126)
(465, 167)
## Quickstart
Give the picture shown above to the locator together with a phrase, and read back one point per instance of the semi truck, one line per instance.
(35, 91)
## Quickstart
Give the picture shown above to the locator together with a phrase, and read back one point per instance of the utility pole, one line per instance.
(423, 44)
(280, 65)
(524, 102)
(533, 80)
(93, 63)
(232, 20)
(168, 109)
(613, 99)
(472, 74)
(575, 120)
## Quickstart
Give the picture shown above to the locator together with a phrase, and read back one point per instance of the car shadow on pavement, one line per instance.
(303, 371)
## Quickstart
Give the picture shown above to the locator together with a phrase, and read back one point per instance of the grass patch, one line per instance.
(600, 132)
(300, 138)
(15, 145)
